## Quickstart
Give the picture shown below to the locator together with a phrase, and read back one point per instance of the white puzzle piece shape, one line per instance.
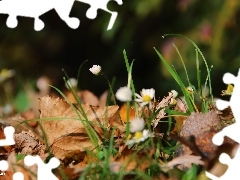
(233, 167)
(9, 140)
(231, 131)
(36, 8)
(95, 5)
(44, 170)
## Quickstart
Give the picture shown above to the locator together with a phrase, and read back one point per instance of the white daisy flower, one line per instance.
(136, 124)
(146, 96)
(139, 137)
(124, 94)
(72, 82)
(175, 93)
(96, 69)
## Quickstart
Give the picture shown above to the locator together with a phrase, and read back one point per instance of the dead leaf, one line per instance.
(202, 127)
(6, 175)
(103, 98)
(179, 123)
(30, 115)
(226, 116)
(161, 106)
(27, 143)
(141, 161)
(2, 135)
(123, 113)
(24, 135)
(181, 107)
(68, 133)
(74, 157)
(17, 121)
(197, 123)
(86, 97)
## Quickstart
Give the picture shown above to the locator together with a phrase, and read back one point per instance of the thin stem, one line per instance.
(128, 125)
(110, 88)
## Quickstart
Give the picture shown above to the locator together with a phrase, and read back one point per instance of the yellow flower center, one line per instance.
(190, 90)
(146, 98)
(173, 102)
(138, 135)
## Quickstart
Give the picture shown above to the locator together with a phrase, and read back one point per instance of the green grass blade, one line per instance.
(205, 62)
(169, 68)
(185, 69)
(87, 125)
(198, 73)
(174, 74)
(126, 60)
(79, 70)
(109, 96)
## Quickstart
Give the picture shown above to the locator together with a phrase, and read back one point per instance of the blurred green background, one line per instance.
(213, 25)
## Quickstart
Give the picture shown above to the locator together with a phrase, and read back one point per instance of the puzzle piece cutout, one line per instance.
(95, 5)
(36, 8)
(3, 165)
(233, 167)
(9, 140)
(230, 131)
(44, 170)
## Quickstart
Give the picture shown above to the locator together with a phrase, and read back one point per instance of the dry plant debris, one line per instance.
(28, 143)
(68, 133)
(201, 126)
(65, 127)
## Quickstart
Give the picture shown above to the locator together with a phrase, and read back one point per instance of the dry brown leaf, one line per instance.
(179, 123)
(88, 97)
(202, 126)
(85, 96)
(17, 121)
(69, 172)
(68, 133)
(30, 115)
(161, 105)
(2, 135)
(123, 113)
(7, 175)
(27, 142)
(20, 127)
(197, 123)
(226, 115)
(103, 98)
(75, 158)
(129, 162)
(180, 106)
